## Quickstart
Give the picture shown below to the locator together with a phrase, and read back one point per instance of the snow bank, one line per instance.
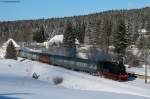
(81, 81)
(16, 82)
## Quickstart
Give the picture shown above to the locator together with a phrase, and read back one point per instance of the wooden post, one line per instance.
(145, 73)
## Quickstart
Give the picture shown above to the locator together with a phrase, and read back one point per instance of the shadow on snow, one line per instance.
(6, 96)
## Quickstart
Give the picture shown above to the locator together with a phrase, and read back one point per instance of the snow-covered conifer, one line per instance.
(11, 52)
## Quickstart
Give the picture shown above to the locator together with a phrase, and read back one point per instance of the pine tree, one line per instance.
(95, 31)
(40, 35)
(11, 52)
(107, 33)
(80, 31)
(88, 39)
(69, 40)
(121, 39)
(69, 36)
(100, 36)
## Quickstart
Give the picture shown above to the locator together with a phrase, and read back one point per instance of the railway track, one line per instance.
(140, 76)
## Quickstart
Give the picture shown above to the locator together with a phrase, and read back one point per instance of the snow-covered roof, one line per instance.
(134, 50)
(56, 39)
(15, 44)
(77, 42)
(59, 39)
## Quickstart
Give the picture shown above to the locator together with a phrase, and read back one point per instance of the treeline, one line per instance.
(99, 29)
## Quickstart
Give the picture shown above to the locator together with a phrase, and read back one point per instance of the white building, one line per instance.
(57, 41)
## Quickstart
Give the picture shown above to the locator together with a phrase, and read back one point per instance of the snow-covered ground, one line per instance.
(16, 83)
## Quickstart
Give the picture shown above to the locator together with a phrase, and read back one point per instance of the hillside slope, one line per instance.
(16, 83)
(135, 19)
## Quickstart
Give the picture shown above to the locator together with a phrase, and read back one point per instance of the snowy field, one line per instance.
(16, 83)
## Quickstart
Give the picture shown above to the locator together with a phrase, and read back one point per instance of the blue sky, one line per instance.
(35, 9)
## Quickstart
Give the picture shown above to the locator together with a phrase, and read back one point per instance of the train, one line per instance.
(106, 69)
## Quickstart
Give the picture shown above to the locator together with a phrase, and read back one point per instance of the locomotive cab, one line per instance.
(123, 76)
(112, 70)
